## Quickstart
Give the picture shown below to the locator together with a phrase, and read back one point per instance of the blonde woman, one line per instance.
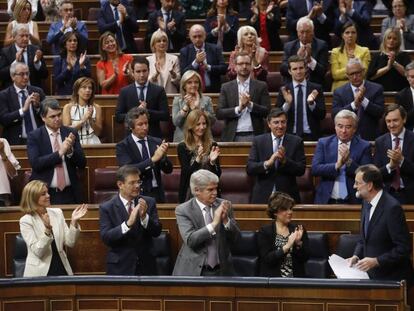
(22, 14)
(197, 151)
(191, 98)
(248, 42)
(82, 113)
(164, 67)
(46, 233)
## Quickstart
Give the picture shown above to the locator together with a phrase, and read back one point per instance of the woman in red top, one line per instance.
(114, 69)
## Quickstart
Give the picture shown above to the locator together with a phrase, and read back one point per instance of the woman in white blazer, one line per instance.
(46, 233)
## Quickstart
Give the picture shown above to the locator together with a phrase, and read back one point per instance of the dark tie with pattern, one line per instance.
(26, 115)
(367, 210)
(299, 111)
(212, 259)
(147, 180)
(141, 93)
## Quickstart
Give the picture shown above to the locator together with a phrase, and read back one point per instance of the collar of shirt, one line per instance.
(137, 85)
(124, 202)
(50, 132)
(375, 200)
(295, 84)
(164, 12)
(113, 7)
(412, 90)
(353, 87)
(201, 205)
(19, 48)
(273, 138)
(244, 84)
(400, 136)
(19, 89)
(135, 138)
(348, 144)
(203, 47)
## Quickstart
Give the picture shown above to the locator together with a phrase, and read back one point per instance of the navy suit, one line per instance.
(388, 240)
(8, 56)
(229, 38)
(54, 35)
(157, 105)
(298, 8)
(405, 98)
(107, 22)
(126, 250)
(43, 160)
(368, 125)
(215, 59)
(319, 53)
(127, 152)
(314, 116)
(323, 166)
(10, 117)
(284, 176)
(361, 16)
(382, 144)
(176, 37)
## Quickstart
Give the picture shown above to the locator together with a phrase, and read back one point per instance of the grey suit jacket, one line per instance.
(195, 235)
(229, 99)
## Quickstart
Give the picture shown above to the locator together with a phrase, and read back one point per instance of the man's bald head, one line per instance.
(197, 35)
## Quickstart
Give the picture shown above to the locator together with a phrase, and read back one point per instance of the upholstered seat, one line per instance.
(346, 244)
(246, 255)
(162, 253)
(235, 185)
(105, 184)
(19, 257)
(317, 265)
(306, 187)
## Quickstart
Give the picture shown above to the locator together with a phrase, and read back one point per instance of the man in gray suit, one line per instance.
(207, 228)
(243, 103)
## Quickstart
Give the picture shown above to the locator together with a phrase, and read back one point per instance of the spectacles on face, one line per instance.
(22, 74)
(355, 73)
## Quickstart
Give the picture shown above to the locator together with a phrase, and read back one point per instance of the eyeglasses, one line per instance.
(355, 73)
(22, 74)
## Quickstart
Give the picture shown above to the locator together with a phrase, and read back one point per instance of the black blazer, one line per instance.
(215, 59)
(271, 258)
(106, 22)
(314, 116)
(405, 98)
(43, 160)
(284, 176)
(8, 56)
(125, 249)
(127, 152)
(382, 144)
(319, 53)
(157, 106)
(178, 37)
(388, 240)
(10, 117)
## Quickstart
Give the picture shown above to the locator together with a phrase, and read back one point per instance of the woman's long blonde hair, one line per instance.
(190, 123)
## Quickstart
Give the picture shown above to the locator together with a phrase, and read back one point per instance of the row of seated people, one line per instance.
(221, 24)
(207, 228)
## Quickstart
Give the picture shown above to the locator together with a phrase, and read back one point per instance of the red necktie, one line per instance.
(60, 172)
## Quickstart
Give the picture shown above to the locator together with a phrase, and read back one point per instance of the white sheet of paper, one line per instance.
(342, 270)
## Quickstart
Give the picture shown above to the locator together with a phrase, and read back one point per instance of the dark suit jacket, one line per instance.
(106, 22)
(196, 237)
(10, 117)
(368, 125)
(388, 240)
(65, 78)
(215, 59)
(127, 152)
(382, 144)
(271, 258)
(125, 249)
(323, 166)
(157, 105)
(54, 35)
(284, 176)
(319, 53)
(8, 56)
(177, 37)
(361, 16)
(229, 99)
(229, 38)
(43, 160)
(298, 8)
(272, 28)
(314, 116)
(405, 98)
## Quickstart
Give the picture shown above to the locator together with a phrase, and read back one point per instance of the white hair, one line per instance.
(201, 179)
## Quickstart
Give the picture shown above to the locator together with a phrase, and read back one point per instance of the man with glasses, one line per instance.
(243, 103)
(146, 153)
(22, 51)
(20, 106)
(336, 158)
(67, 23)
(363, 97)
(385, 246)
(128, 222)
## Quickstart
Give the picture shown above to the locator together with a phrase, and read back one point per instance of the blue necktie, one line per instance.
(277, 139)
(147, 180)
(141, 93)
(119, 33)
(367, 210)
(26, 115)
(299, 111)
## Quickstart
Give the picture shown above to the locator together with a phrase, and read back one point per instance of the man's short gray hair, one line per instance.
(13, 67)
(347, 114)
(304, 21)
(201, 179)
(18, 27)
(355, 61)
(409, 66)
